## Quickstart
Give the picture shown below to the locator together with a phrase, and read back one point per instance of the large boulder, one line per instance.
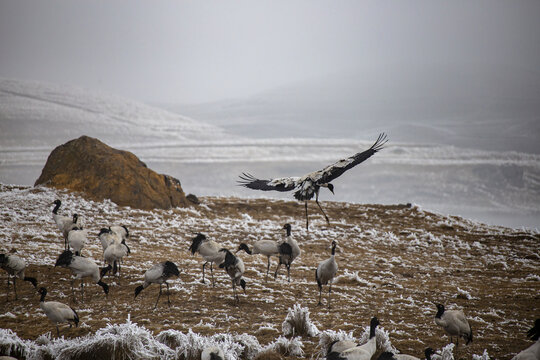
(91, 167)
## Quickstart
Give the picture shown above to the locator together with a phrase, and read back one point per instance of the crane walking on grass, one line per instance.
(210, 252)
(159, 274)
(326, 272)
(15, 266)
(309, 185)
(454, 323)
(234, 266)
(57, 312)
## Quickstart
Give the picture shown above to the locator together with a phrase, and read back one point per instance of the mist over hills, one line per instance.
(496, 108)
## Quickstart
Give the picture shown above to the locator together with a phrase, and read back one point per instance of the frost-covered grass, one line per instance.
(394, 263)
(298, 323)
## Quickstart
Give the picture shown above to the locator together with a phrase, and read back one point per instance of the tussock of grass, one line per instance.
(298, 323)
(12, 345)
(286, 347)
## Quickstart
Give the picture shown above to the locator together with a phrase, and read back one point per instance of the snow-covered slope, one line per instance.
(35, 114)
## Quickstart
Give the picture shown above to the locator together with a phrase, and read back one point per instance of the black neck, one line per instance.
(43, 294)
(372, 332)
(288, 230)
(440, 312)
(56, 207)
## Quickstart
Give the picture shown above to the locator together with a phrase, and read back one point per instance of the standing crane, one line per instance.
(309, 185)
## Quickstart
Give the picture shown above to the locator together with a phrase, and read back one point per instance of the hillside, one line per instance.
(395, 261)
(37, 114)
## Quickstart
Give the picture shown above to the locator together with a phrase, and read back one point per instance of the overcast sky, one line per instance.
(195, 51)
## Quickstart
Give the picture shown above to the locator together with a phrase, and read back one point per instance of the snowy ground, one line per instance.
(394, 262)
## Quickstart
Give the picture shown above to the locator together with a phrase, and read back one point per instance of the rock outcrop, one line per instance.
(101, 172)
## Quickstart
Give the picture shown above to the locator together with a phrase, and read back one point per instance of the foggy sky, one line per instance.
(194, 51)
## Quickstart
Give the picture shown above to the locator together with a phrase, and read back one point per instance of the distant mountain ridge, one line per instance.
(43, 114)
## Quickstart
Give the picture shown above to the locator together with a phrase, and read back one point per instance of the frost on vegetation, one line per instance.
(484, 356)
(463, 294)
(286, 347)
(390, 238)
(348, 276)
(11, 344)
(446, 353)
(372, 232)
(327, 337)
(383, 339)
(119, 341)
(297, 323)
(190, 346)
(250, 343)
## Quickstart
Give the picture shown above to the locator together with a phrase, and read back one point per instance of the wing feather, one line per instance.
(333, 171)
(279, 184)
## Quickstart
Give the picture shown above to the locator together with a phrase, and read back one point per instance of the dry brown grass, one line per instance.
(396, 281)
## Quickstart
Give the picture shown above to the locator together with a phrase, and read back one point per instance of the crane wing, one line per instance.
(279, 184)
(331, 172)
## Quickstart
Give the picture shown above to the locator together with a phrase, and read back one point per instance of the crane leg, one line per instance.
(203, 271)
(329, 292)
(277, 269)
(168, 294)
(72, 290)
(212, 273)
(320, 295)
(317, 201)
(237, 299)
(267, 269)
(15, 287)
(288, 271)
(155, 306)
(307, 218)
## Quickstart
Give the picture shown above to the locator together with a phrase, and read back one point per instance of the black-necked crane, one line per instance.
(454, 323)
(533, 351)
(209, 250)
(60, 220)
(159, 274)
(81, 267)
(77, 239)
(289, 250)
(15, 266)
(57, 312)
(120, 230)
(212, 352)
(267, 248)
(234, 266)
(387, 355)
(359, 352)
(325, 273)
(107, 237)
(114, 254)
(64, 223)
(309, 185)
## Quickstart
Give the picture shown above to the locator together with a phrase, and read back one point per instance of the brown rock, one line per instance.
(101, 172)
